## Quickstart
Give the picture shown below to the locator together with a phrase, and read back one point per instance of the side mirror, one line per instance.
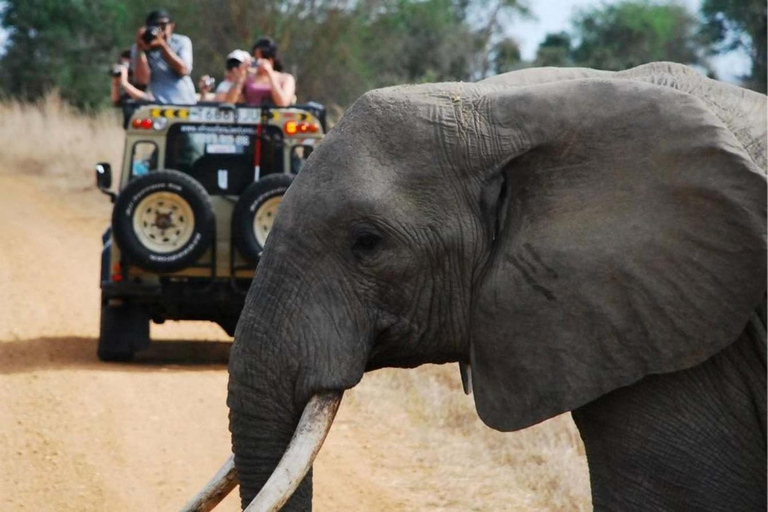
(104, 179)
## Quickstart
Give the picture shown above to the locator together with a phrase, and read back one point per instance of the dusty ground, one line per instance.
(78, 434)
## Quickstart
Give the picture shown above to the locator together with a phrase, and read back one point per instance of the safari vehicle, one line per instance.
(198, 190)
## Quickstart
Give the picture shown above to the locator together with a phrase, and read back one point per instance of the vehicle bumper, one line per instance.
(191, 300)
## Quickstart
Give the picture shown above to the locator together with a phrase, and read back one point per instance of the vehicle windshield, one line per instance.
(223, 157)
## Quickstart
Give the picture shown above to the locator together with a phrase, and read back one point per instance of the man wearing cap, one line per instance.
(237, 65)
(162, 60)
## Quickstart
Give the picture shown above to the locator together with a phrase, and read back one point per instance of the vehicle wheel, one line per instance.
(124, 330)
(163, 221)
(255, 214)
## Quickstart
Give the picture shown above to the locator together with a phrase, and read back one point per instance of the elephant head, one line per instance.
(564, 234)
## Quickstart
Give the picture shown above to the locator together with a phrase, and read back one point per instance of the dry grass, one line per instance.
(51, 140)
(540, 468)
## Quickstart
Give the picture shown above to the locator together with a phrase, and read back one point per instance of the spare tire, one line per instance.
(163, 221)
(255, 214)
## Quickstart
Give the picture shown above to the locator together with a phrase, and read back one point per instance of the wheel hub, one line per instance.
(265, 218)
(163, 222)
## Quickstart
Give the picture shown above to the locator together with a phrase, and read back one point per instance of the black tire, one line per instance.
(169, 253)
(254, 199)
(124, 330)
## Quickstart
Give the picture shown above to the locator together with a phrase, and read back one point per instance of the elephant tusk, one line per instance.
(215, 490)
(466, 377)
(313, 427)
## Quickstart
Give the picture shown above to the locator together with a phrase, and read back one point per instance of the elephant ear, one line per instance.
(628, 239)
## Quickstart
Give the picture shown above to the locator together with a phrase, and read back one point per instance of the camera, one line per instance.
(150, 33)
(116, 70)
(255, 63)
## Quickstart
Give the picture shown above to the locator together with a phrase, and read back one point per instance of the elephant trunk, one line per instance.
(277, 364)
(297, 461)
(262, 429)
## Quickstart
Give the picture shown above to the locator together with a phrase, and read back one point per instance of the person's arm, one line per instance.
(133, 92)
(222, 90)
(283, 85)
(180, 63)
(235, 93)
(284, 94)
(140, 64)
(115, 93)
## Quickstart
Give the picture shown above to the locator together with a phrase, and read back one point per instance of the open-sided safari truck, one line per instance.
(198, 191)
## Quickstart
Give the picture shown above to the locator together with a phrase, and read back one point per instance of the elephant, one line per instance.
(577, 240)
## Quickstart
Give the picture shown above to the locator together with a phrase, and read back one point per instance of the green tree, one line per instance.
(506, 56)
(337, 49)
(555, 50)
(68, 45)
(494, 15)
(326, 55)
(634, 32)
(54, 44)
(416, 41)
(732, 24)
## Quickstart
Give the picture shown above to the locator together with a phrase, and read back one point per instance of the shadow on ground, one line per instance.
(54, 353)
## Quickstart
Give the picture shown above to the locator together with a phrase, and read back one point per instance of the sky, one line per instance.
(554, 16)
(3, 33)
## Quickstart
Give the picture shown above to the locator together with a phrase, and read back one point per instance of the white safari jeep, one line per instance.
(198, 191)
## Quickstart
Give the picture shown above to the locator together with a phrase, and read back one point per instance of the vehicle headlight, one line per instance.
(160, 123)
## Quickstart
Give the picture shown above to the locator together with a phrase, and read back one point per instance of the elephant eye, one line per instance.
(366, 244)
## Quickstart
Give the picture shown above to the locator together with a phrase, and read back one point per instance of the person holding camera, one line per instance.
(237, 64)
(263, 82)
(162, 60)
(204, 87)
(123, 88)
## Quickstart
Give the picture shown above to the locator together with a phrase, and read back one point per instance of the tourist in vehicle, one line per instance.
(162, 60)
(204, 87)
(123, 88)
(237, 64)
(263, 82)
(117, 94)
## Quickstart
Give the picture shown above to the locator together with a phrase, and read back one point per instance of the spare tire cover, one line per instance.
(163, 221)
(255, 213)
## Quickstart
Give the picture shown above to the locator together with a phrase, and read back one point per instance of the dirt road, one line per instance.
(78, 434)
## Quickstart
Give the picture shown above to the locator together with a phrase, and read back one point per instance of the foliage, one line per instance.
(506, 56)
(337, 49)
(555, 50)
(732, 24)
(68, 45)
(493, 15)
(425, 41)
(634, 32)
(54, 44)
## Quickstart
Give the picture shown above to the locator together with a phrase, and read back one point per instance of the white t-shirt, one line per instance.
(224, 87)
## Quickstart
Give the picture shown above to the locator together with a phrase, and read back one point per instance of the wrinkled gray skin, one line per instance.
(589, 241)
